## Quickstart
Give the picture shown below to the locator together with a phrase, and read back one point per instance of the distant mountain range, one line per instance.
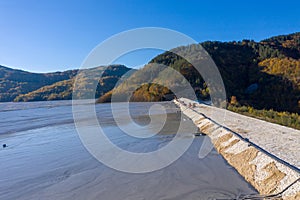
(263, 75)
(18, 85)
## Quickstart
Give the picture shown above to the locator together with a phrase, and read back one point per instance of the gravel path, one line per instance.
(281, 141)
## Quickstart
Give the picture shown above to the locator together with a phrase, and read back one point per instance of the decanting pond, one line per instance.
(45, 159)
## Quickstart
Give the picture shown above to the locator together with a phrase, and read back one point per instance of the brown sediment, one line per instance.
(241, 163)
(273, 180)
(220, 140)
(207, 128)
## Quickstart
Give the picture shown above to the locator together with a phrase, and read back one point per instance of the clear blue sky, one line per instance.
(42, 36)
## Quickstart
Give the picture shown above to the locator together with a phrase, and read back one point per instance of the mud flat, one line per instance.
(45, 159)
(265, 154)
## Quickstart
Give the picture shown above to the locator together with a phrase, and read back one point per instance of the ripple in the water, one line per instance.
(210, 194)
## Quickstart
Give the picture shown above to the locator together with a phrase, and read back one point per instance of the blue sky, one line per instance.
(56, 35)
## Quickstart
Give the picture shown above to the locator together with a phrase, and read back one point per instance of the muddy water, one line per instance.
(45, 159)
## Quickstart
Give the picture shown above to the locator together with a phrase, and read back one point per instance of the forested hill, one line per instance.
(260, 75)
(18, 85)
(263, 75)
(15, 82)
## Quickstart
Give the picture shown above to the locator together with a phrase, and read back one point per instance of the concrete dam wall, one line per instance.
(265, 154)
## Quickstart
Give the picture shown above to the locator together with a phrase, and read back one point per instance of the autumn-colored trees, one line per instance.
(106, 77)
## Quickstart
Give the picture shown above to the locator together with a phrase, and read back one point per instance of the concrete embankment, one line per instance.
(272, 174)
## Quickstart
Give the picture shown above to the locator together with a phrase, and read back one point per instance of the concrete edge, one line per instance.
(263, 172)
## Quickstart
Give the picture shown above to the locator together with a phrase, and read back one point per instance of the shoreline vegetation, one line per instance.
(288, 119)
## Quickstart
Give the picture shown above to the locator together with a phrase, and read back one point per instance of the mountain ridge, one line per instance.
(248, 71)
(263, 75)
(20, 85)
